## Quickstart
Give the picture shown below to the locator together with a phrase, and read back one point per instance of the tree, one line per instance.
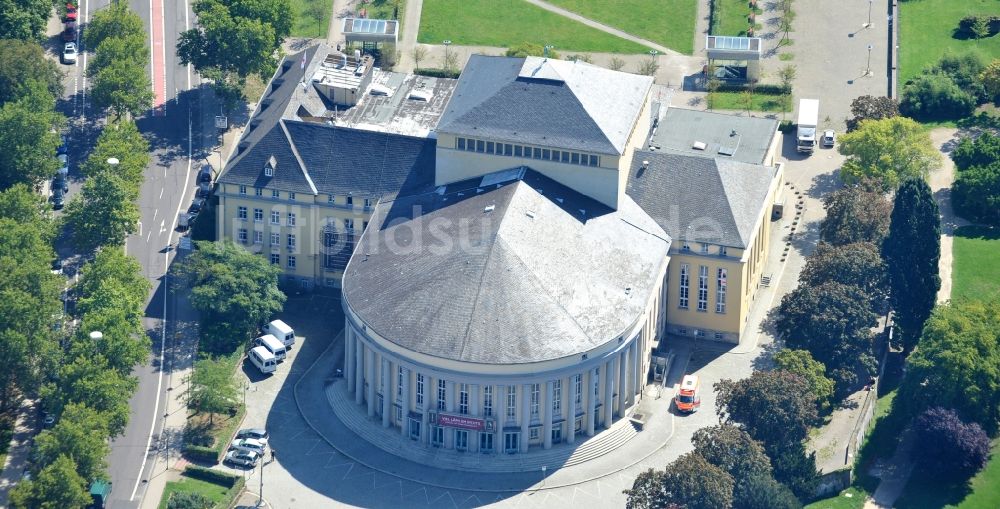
(957, 364)
(23, 62)
(57, 486)
(935, 97)
(990, 78)
(911, 251)
(694, 483)
(133, 49)
(81, 435)
(28, 137)
(114, 21)
(234, 291)
(889, 151)
(869, 107)
(24, 19)
(112, 270)
(833, 322)
(648, 492)
(419, 53)
(90, 381)
(104, 214)
(123, 87)
(648, 66)
(801, 362)
(976, 194)
(774, 407)
(795, 469)
(120, 140)
(743, 458)
(766, 493)
(858, 213)
(949, 448)
(616, 64)
(787, 76)
(528, 49)
(859, 264)
(212, 387)
(979, 151)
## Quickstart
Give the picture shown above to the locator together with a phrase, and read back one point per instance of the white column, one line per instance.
(405, 403)
(500, 406)
(592, 380)
(571, 410)
(474, 410)
(449, 434)
(371, 360)
(636, 372)
(359, 371)
(387, 395)
(349, 360)
(622, 383)
(425, 429)
(547, 423)
(609, 395)
(525, 415)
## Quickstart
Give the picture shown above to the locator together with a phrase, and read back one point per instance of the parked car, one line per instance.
(204, 189)
(48, 420)
(246, 459)
(58, 198)
(71, 13)
(205, 174)
(63, 145)
(829, 138)
(249, 444)
(69, 31)
(254, 433)
(59, 182)
(196, 206)
(69, 52)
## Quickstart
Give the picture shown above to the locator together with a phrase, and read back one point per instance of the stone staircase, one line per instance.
(355, 418)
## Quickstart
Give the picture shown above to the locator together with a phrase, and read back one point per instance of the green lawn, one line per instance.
(851, 498)
(730, 17)
(212, 491)
(505, 23)
(982, 492)
(976, 266)
(311, 18)
(668, 22)
(734, 101)
(926, 32)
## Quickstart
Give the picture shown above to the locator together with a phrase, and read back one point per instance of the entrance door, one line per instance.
(510, 442)
(414, 429)
(461, 439)
(486, 442)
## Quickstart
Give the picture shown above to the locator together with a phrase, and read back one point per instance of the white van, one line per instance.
(263, 359)
(282, 331)
(272, 345)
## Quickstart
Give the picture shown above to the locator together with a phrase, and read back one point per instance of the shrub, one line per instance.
(949, 447)
(187, 500)
(437, 73)
(212, 476)
(976, 194)
(201, 453)
(935, 97)
(978, 27)
(981, 151)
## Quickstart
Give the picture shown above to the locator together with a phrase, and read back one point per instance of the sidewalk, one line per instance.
(20, 448)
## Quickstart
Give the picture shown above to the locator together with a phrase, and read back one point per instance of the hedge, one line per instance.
(202, 453)
(764, 89)
(213, 476)
(437, 73)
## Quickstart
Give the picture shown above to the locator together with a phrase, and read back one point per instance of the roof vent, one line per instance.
(733, 132)
(727, 151)
(583, 212)
(489, 208)
(530, 213)
(645, 164)
(699, 145)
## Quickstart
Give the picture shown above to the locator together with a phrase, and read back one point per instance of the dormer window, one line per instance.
(269, 167)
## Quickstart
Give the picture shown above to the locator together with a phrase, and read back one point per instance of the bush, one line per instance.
(949, 447)
(763, 89)
(981, 151)
(976, 194)
(978, 27)
(212, 476)
(202, 453)
(935, 97)
(437, 73)
(187, 500)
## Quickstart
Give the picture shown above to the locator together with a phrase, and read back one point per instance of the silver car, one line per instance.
(249, 445)
(247, 459)
(69, 53)
(259, 434)
(829, 138)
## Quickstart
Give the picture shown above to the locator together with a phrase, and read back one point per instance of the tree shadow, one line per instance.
(824, 184)
(804, 239)
(765, 361)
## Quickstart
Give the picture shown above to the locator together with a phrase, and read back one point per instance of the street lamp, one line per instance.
(868, 70)
(544, 468)
(869, 24)
(447, 59)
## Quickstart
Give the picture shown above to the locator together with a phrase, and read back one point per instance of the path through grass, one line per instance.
(668, 22)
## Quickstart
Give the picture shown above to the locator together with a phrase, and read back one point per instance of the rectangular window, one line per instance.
(575, 159)
(275, 193)
(369, 203)
(275, 259)
(534, 433)
(243, 190)
(241, 213)
(437, 435)
(508, 149)
(704, 248)
(686, 247)
(480, 146)
(420, 390)
(518, 150)
(275, 217)
(275, 239)
(546, 154)
(556, 397)
(258, 191)
(461, 143)
(703, 288)
(565, 157)
(399, 381)
(536, 153)
(442, 395)
(330, 199)
(722, 250)
(720, 294)
(511, 402)
(291, 241)
(243, 235)
(463, 399)
(535, 390)
(258, 215)
(291, 262)
(685, 286)
(291, 219)
(597, 381)
(487, 401)
(350, 201)
(461, 439)
(489, 147)
(291, 196)
(258, 237)
(595, 161)
(349, 224)
(578, 390)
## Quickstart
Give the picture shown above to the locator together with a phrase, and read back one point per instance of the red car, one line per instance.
(70, 13)
(69, 33)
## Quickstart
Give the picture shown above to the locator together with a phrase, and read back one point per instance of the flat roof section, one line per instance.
(722, 47)
(370, 30)
(710, 134)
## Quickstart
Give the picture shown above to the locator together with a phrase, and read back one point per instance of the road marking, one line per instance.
(161, 194)
(163, 328)
(157, 211)
(148, 235)
(162, 229)
(159, 58)
(140, 228)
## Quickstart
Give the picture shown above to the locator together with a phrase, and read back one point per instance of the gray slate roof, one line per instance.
(557, 103)
(531, 279)
(679, 129)
(698, 199)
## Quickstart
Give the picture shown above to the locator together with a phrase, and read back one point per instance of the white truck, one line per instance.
(808, 121)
